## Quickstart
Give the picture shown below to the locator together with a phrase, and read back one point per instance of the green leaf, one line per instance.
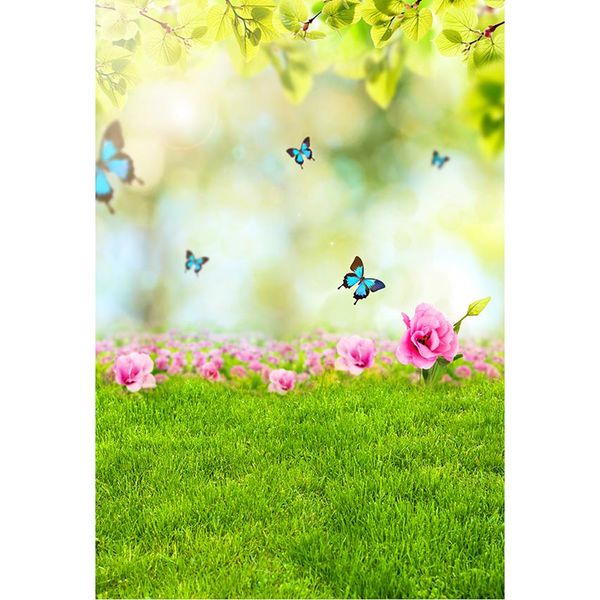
(489, 50)
(416, 23)
(199, 32)
(390, 7)
(370, 13)
(383, 75)
(449, 42)
(382, 32)
(248, 40)
(263, 17)
(219, 21)
(315, 35)
(475, 308)
(495, 3)
(116, 25)
(340, 13)
(292, 14)
(164, 48)
(457, 357)
(463, 20)
(441, 6)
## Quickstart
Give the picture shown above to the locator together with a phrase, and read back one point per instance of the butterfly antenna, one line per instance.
(355, 301)
(341, 286)
(140, 181)
(111, 210)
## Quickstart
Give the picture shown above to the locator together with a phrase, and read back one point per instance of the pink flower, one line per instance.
(199, 359)
(356, 354)
(492, 372)
(479, 365)
(463, 372)
(329, 357)
(445, 378)
(162, 360)
(161, 378)
(134, 371)
(282, 381)
(428, 336)
(255, 366)
(386, 360)
(175, 368)
(238, 371)
(210, 371)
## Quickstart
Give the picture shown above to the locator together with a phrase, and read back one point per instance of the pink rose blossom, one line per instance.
(238, 371)
(429, 335)
(479, 365)
(282, 381)
(134, 371)
(210, 371)
(174, 368)
(255, 366)
(492, 372)
(356, 354)
(161, 378)
(386, 360)
(199, 359)
(162, 361)
(445, 378)
(463, 372)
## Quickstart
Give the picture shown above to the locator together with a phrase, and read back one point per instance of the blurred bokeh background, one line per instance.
(210, 146)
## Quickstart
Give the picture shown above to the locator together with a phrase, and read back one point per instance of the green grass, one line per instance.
(373, 488)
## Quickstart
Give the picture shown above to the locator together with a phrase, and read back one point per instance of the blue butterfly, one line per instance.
(365, 285)
(112, 160)
(438, 159)
(305, 153)
(191, 262)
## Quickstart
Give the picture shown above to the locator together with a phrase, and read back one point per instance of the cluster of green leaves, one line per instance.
(282, 33)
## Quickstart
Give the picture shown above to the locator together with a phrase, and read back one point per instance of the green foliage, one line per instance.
(293, 13)
(383, 69)
(484, 106)
(345, 490)
(166, 34)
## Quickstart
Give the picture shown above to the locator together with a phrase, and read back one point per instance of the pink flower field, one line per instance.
(140, 362)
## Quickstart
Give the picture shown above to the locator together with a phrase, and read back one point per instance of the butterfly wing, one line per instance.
(350, 279)
(104, 190)
(199, 262)
(374, 285)
(122, 166)
(358, 267)
(112, 141)
(305, 148)
(190, 260)
(435, 157)
(361, 292)
(296, 155)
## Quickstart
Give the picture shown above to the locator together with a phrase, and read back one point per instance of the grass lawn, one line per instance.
(371, 488)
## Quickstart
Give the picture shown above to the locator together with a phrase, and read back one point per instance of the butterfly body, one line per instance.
(301, 154)
(438, 160)
(113, 160)
(365, 286)
(191, 262)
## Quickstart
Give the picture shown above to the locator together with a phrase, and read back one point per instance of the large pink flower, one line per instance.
(429, 336)
(282, 381)
(210, 371)
(356, 354)
(134, 371)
